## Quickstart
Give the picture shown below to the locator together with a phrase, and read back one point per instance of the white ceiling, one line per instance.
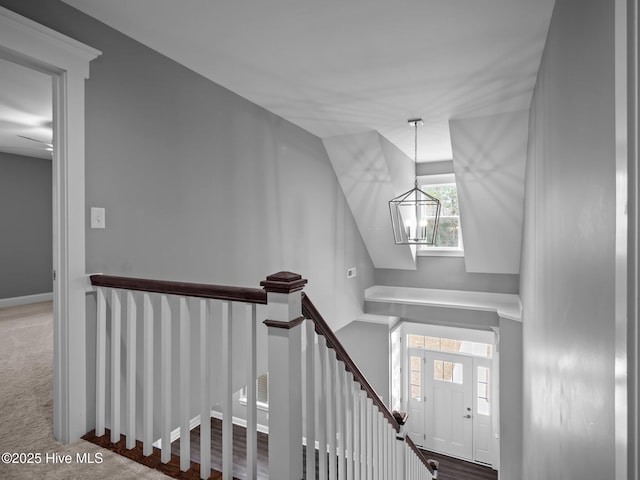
(25, 109)
(338, 68)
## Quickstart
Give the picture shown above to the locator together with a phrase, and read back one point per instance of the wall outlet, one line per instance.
(97, 217)
(351, 272)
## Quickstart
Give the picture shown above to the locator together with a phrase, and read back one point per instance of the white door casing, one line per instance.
(449, 417)
(35, 46)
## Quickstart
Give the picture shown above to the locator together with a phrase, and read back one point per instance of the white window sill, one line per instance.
(259, 405)
(440, 252)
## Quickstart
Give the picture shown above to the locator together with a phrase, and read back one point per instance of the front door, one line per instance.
(448, 402)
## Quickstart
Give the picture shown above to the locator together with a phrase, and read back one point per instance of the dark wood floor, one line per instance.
(455, 469)
(239, 450)
(450, 468)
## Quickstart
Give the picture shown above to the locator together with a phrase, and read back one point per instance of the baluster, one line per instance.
(101, 361)
(348, 402)
(341, 405)
(384, 458)
(310, 400)
(131, 370)
(355, 395)
(252, 422)
(331, 412)
(185, 386)
(116, 314)
(147, 381)
(370, 437)
(205, 386)
(381, 464)
(364, 440)
(384, 429)
(413, 463)
(322, 409)
(394, 453)
(165, 378)
(374, 443)
(227, 393)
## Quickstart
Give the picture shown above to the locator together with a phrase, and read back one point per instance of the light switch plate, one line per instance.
(351, 272)
(97, 217)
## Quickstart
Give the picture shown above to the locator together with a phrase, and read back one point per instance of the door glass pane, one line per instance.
(483, 387)
(447, 371)
(432, 343)
(450, 345)
(415, 392)
(415, 378)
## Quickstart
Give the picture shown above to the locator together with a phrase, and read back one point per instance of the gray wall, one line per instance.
(447, 273)
(200, 184)
(26, 249)
(510, 364)
(567, 274)
(368, 345)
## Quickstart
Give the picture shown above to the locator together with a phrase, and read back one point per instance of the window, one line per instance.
(449, 235)
(476, 349)
(262, 392)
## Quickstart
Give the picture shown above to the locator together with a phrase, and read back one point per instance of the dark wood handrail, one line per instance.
(419, 453)
(201, 290)
(322, 328)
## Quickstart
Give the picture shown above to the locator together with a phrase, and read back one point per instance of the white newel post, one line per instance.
(284, 322)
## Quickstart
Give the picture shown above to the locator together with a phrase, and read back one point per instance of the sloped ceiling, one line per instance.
(361, 69)
(370, 171)
(489, 159)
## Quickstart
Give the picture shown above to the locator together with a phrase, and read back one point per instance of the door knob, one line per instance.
(466, 416)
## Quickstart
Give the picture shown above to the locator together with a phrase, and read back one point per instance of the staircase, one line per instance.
(167, 353)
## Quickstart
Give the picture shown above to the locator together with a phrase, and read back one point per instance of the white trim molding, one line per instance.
(25, 300)
(196, 421)
(66, 60)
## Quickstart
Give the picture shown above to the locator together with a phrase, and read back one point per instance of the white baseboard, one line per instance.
(27, 299)
(195, 421)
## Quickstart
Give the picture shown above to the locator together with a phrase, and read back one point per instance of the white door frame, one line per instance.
(30, 44)
(471, 335)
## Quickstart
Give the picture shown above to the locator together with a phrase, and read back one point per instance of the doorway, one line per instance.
(25, 185)
(450, 389)
(66, 60)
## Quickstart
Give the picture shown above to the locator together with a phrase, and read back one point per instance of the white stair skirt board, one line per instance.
(25, 300)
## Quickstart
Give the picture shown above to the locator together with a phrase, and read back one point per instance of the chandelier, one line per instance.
(415, 214)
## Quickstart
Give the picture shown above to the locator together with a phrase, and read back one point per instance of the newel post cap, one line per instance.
(283, 282)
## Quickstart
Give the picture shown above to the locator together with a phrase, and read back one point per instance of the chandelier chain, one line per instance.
(415, 151)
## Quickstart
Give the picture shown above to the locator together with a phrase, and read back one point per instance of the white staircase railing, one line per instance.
(169, 352)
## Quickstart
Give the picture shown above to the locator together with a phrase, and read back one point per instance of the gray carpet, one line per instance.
(26, 405)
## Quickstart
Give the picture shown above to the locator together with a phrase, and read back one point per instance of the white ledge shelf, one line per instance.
(504, 304)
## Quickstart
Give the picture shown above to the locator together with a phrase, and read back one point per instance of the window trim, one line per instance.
(431, 181)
